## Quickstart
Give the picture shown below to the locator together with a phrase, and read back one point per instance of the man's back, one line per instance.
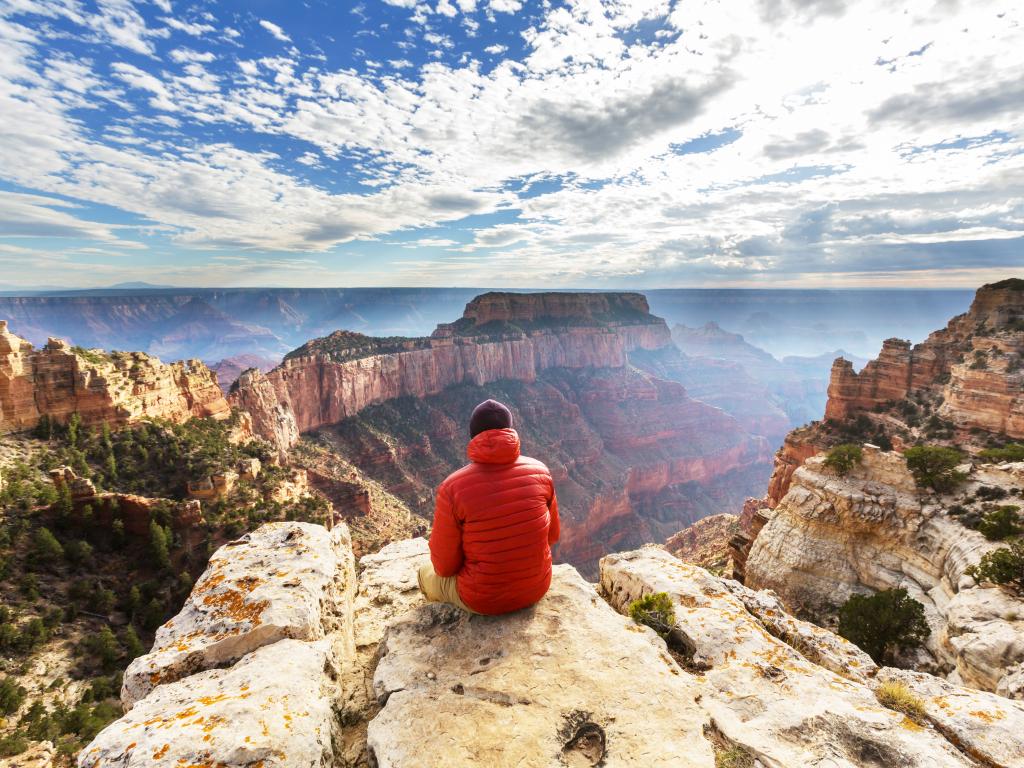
(494, 522)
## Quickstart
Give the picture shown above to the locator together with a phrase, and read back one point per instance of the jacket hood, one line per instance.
(494, 446)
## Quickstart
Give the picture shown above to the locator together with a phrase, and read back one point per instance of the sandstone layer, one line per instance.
(334, 378)
(568, 682)
(973, 367)
(58, 380)
(831, 537)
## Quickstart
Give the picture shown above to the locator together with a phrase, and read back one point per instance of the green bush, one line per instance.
(1001, 523)
(655, 611)
(12, 744)
(934, 466)
(842, 458)
(1011, 452)
(1003, 566)
(883, 623)
(12, 696)
(45, 547)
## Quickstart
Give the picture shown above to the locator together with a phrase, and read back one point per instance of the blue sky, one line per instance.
(643, 143)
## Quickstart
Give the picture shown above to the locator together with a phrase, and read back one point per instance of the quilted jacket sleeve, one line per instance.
(446, 536)
(556, 525)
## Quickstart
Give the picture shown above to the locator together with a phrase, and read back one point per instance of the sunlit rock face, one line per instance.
(831, 537)
(973, 367)
(370, 671)
(116, 388)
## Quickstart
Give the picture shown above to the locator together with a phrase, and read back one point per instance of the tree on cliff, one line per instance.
(843, 458)
(45, 547)
(1003, 566)
(934, 466)
(883, 623)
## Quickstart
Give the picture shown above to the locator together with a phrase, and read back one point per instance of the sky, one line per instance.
(511, 143)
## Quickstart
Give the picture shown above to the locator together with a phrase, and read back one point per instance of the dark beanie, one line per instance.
(490, 414)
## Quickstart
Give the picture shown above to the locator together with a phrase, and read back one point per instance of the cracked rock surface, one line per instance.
(283, 580)
(567, 682)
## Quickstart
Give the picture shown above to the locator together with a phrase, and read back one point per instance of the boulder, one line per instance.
(985, 726)
(272, 709)
(566, 682)
(767, 698)
(284, 580)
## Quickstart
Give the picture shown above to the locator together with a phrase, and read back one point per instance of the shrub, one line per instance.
(12, 744)
(1010, 452)
(11, 696)
(934, 466)
(1000, 523)
(45, 547)
(733, 757)
(884, 622)
(843, 458)
(990, 492)
(1003, 566)
(896, 696)
(655, 611)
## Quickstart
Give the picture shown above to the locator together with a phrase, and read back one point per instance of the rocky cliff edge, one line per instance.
(283, 657)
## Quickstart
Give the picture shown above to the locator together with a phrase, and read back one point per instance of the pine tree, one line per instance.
(73, 429)
(132, 644)
(158, 545)
(45, 547)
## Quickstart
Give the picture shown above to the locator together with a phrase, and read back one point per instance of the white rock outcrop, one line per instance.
(989, 727)
(766, 697)
(566, 682)
(831, 537)
(378, 678)
(284, 580)
(274, 708)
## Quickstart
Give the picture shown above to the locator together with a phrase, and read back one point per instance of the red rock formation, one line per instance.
(530, 307)
(974, 366)
(59, 380)
(706, 542)
(800, 445)
(323, 385)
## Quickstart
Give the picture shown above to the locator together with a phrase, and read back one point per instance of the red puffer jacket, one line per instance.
(494, 524)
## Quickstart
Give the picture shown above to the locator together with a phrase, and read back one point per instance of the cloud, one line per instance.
(616, 142)
(275, 30)
(36, 216)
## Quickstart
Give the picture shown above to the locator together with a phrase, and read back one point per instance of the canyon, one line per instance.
(588, 378)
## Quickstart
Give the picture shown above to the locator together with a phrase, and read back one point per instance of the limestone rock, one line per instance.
(987, 727)
(274, 708)
(284, 580)
(567, 682)
(831, 537)
(387, 589)
(765, 696)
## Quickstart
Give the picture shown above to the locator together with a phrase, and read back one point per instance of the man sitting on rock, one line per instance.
(494, 523)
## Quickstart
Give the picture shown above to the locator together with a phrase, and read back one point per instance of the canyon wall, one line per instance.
(974, 367)
(58, 380)
(633, 455)
(324, 385)
(282, 657)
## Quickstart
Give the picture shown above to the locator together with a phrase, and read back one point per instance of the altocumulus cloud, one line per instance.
(568, 139)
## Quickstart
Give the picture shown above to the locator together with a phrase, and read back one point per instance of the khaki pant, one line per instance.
(440, 589)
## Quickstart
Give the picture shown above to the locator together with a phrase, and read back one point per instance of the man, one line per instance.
(494, 523)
